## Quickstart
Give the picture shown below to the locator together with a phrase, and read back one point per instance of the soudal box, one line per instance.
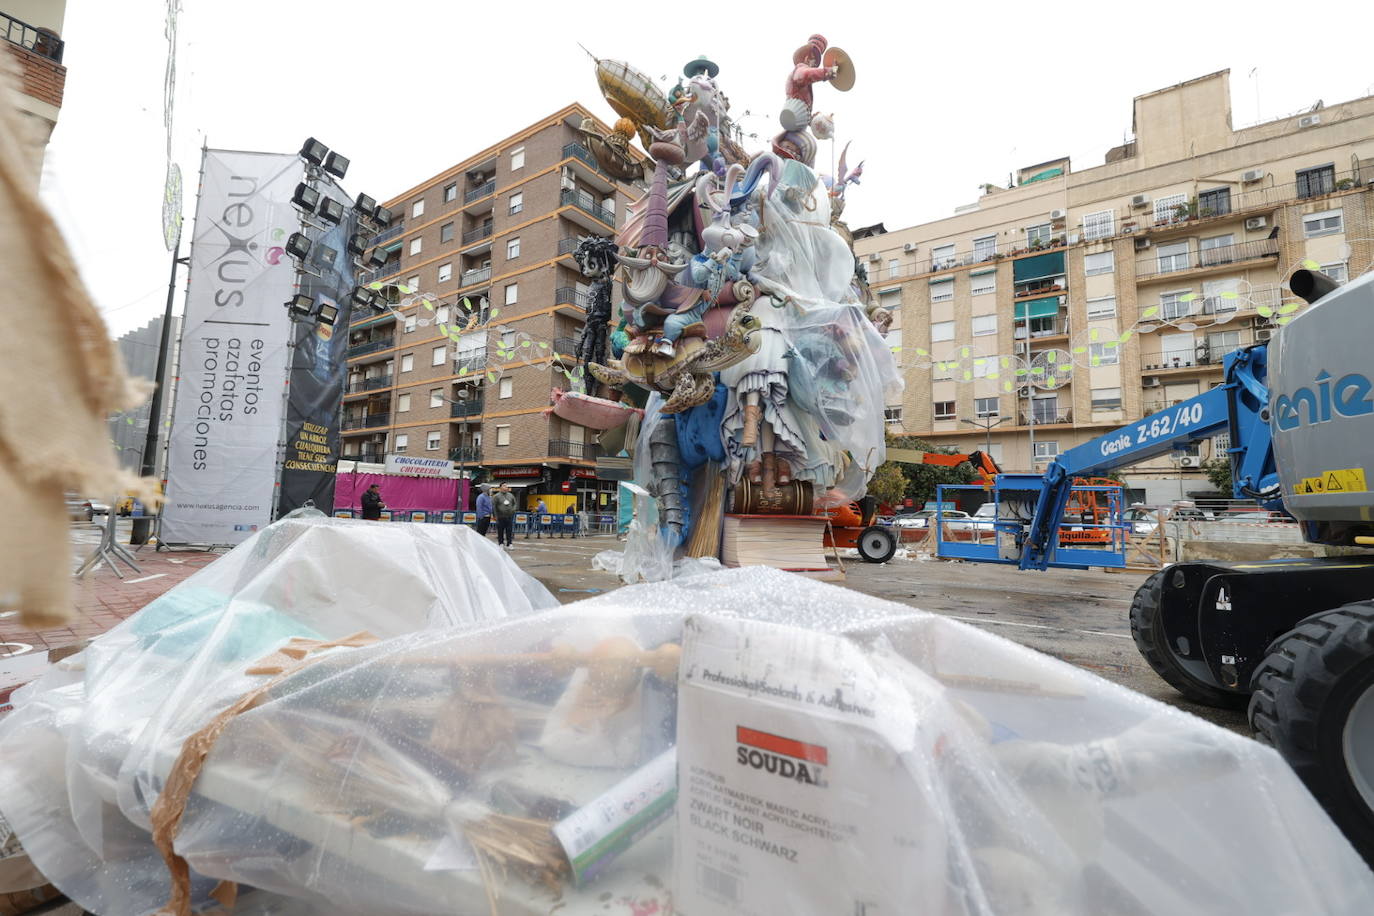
(793, 794)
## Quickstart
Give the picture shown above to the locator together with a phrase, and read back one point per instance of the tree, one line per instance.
(888, 485)
(922, 479)
(1219, 473)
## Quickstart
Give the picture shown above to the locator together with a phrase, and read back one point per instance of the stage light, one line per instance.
(325, 256)
(300, 305)
(306, 197)
(328, 314)
(376, 259)
(298, 246)
(365, 205)
(336, 165)
(331, 210)
(360, 298)
(381, 215)
(379, 302)
(313, 152)
(357, 244)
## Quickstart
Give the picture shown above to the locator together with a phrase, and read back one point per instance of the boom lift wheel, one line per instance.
(1314, 702)
(1147, 629)
(876, 544)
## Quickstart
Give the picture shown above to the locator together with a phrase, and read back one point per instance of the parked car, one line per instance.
(98, 507)
(79, 509)
(984, 517)
(922, 518)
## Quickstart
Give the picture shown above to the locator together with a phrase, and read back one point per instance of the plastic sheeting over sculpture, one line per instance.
(525, 764)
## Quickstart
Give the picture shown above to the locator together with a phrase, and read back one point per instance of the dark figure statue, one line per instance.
(597, 259)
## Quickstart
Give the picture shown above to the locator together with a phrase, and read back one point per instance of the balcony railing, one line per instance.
(568, 246)
(1040, 328)
(386, 270)
(367, 421)
(565, 345)
(1191, 358)
(469, 408)
(1211, 257)
(585, 202)
(1156, 406)
(578, 451)
(482, 190)
(368, 384)
(386, 235)
(476, 235)
(471, 361)
(370, 457)
(1046, 417)
(43, 42)
(370, 346)
(569, 295)
(473, 277)
(465, 454)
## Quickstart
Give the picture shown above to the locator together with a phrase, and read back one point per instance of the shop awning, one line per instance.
(1047, 307)
(1041, 176)
(359, 325)
(1042, 265)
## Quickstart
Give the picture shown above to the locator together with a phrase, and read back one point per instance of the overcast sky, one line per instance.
(947, 98)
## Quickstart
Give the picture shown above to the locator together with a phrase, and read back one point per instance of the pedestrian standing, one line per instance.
(372, 504)
(540, 512)
(483, 512)
(503, 507)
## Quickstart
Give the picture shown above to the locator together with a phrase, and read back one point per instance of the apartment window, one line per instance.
(1106, 353)
(1220, 295)
(890, 298)
(402, 403)
(402, 442)
(1173, 257)
(512, 294)
(1099, 225)
(1045, 410)
(1171, 306)
(507, 388)
(982, 284)
(446, 231)
(985, 407)
(944, 410)
(410, 323)
(942, 257)
(507, 340)
(1166, 208)
(1046, 451)
(1328, 222)
(892, 267)
(944, 370)
(517, 202)
(894, 340)
(1336, 271)
(503, 435)
(1038, 235)
(513, 249)
(984, 247)
(1106, 398)
(417, 209)
(441, 314)
(1219, 343)
(892, 414)
(1317, 181)
(1101, 307)
(413, 282)
(1103, 262)
(437, 358)
(407, 362)
(984, 325)
(432, 440)
(416, 244)
(450, 193)
(436, 397)
(517, 158)
(943, 291)
(445, 273)
(984, 367)
(941, 330)
(1214, 202)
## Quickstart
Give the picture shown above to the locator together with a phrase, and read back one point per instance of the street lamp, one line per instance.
(463, 396)
(986, 426)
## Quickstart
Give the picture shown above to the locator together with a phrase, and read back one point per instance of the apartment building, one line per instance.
(491, 237)
(1048, 313)
(32, 30)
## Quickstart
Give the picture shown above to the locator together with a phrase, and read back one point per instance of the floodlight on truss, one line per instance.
(331, 210)
(305, 198)
(314, 152)
(300, 306)
(365, 205)
(336, 164)
(328, 314)
(357, 244)
(298, 246)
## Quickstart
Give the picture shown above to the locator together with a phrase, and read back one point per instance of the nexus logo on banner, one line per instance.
(238, 215)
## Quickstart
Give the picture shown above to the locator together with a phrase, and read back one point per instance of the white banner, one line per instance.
(411, 466)
(222, 457)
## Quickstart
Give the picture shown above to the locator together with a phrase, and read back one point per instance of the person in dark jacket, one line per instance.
(372, 504)
(483, 510)
(503, 506)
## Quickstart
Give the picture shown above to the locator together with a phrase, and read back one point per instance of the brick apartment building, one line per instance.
(1125, 284)
(31, 29)
(498, 227)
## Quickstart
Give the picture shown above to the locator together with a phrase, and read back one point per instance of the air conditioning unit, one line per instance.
(909, 247)
(569, 182)
(1263, 334)
(874, 257)
(1252, 176)
(1057, 216)
(1311, 120)
(1140, 200)
(1142, 244)
(1150, 381)
(1190, 461)
(1256, 222)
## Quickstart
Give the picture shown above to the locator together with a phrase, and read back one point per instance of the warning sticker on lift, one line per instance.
(1345, 480)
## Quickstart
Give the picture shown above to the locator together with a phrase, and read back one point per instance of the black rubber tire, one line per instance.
(1303, 694)
(870, 552)
(1149, 640)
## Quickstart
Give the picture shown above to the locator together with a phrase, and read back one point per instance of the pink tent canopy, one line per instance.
(400, 494)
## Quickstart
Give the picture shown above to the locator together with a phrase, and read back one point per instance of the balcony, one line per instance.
(577, 451)
(476, 235)
(1058, 327)
(565, 345)
(568, 246)
(370, 457)
(470, 361)
(1205, 259)
(474, 277)
(367, 421)
(1191, 358)
(570, 295)
(369, 384)
(1154, 407)
(386, 235)
(43, 42)
(370, 346)
(1046, 417)
(578, 151)
(466, 454)
(585, 203)
(470, 408)
(386, 270)
(482, 190)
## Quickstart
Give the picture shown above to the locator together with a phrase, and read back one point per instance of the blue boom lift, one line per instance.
(1293, 639)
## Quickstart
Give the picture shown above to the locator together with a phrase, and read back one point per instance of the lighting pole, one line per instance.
(986, 427)
(462, 457)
